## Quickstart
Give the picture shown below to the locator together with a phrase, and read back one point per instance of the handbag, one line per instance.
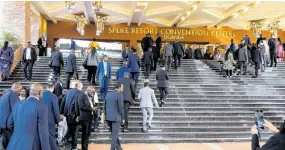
(50, 62)
(85, 63)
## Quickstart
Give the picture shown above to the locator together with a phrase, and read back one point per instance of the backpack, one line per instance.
(71, 115)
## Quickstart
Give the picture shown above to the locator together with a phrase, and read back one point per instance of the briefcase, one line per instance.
(73, 82)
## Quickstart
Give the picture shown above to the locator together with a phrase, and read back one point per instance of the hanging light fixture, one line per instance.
(70, 6)
(100, 23)
(273, 28)
(96, 6)
(81, 22)
(256, 26)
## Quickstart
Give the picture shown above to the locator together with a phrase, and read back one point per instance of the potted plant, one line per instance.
(11, 38)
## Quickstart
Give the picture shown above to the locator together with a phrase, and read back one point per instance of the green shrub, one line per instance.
(10, 37)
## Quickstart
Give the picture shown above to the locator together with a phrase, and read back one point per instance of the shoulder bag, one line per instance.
(50, 62)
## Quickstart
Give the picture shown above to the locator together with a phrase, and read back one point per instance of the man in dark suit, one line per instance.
(7, 102)
(129, 94)
(115, 113)
(158, 42)
(148, 62)
(178, 53)
(56, 62)
(71, 68)
(121, 71)
(58, 87)
(134, 64)
(85, 111)
(273, 51)
(147, 42)
(51, 101)
(162, 84)
(156, 55)
(256, 59)
(30, 122)
(72, 45)
(29, 57)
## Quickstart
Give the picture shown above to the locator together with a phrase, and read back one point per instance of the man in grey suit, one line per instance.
(56, 62)
(71, 68)
(114, 104)
(168, 54)
(129, 94)
(148, 62)
(243, 58)
(162, 84)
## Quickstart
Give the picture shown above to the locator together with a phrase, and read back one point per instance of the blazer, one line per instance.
(114, 104)
(158, 42)
(33, 55)
(178, 49)
(51, 101)
(124, 55)
(56, 59)
(57, 89)
(162, 78)
(71, 95)
(7, 102)
(71, 63)
(147, 98)
(73, 45)
(30, 121)
(272, 46)
(100, 73)
(148, 58)
(155, 53)
(242, 54)
(146, 42)
(276, 142)
(256, 55)
(134, 62)
(84, 109)
(129, 92)
(168, 50)
(121, 71)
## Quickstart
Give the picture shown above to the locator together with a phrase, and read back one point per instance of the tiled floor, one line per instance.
(177, 146)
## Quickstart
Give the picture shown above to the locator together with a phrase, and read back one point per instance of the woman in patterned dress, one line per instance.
(229, 63)
(6, 60)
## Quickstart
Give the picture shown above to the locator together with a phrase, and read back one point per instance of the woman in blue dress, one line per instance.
(6, 60)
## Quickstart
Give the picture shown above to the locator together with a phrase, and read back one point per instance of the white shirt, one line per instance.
(105, 68)
(28, 54)
(96, 98)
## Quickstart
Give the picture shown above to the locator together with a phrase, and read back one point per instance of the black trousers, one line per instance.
(154, 64)
(229, 73)
(177, 58)
(91, 74)
(115, 128)
(96, 120)
(135, 77)
(147, 70)
(56, 72)
(68, 77)
(73, 132)
(86, 130)
(6, 135)
(163, 93)
(256, 67)
(273, 58)
(126, 107)
(28, 65)
(243, 67)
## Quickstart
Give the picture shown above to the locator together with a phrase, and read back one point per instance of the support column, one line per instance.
(28, 22)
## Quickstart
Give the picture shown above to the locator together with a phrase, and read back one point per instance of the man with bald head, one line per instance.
(29, 119)
(7, 102)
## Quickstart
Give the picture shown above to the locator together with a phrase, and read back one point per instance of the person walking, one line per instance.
(56, 62)
(178, 54)
(115, 114)
(243, 59)
(273, 50)
(6, 60)
(147, 42)
(148, 62)
(71, 68)
(162, 84)
(246, 40)
(8, 100)
(168, 54)
(29, 58)
(129, 94)
(156, 55)
(134, 64)
(58, 90)
(103, 74)
(121, 71)
(256, 59)
(147, 98)
(92, 62)
(29, 119)
(72, 44)
(280, 50)
(158, 42)
(93, 45)
(51, 101)
(229, 63)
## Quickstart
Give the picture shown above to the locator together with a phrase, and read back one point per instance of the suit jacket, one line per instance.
(148, 58)
(147, 98)
(129, 92)
(57, 89)
(158, 43)
(155, 53)
(162, 78)
(71, 95)
(276, 142)
(256, 56)
(57, 59)
(30, 121)
(124, 55)
(178, 49)
(100, 73)
(121, 71)
(272, 46)
(71, 63)
(146, 42)
(53, 109)
(242, 54)
(134, 62)
(72, 45)
(84, 109)
(7, 102)
(33, 55)
(114, 106)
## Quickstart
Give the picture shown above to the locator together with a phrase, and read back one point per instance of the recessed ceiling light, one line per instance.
(188, 13)
(182, 18)
(245, 9)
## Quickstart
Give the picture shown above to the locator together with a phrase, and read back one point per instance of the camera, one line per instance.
(259, 120)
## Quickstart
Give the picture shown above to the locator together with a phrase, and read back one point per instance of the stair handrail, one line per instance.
(17, 58)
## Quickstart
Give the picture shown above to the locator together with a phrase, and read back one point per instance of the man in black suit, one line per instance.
(178, 53)
(58, 87)
(129, 94)
(115, 114)
(29, 57)
(85, 111)
(156, 55)
(256, 59)
(56, 62)
(71, 68)
(162, 84)
(148, 62)
(146, 42)
(158, 42)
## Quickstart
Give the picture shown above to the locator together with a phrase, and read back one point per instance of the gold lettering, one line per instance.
(110, 30)
(133, 30)
(234, 35)
(199, 32)
(162, 31)
(213, 33)
(188, 32)
(168, 31)
(151, 31)
(146, 30)
(127, 30)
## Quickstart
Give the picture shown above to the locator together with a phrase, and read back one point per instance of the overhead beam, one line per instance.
(143, 13)
(86, 8)
(132, 13)
(169, 11)
(188, 13)
(43, 8)
(176, 19)
(159, 21)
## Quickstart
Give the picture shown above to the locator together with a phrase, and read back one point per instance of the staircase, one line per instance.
(202, 106)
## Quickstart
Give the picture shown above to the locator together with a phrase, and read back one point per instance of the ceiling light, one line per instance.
(245, 9)
(235, 15)
(70, 6)
(96, 6)
(182, 18)
(188, 13)
(267, 22)
(195, 7)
